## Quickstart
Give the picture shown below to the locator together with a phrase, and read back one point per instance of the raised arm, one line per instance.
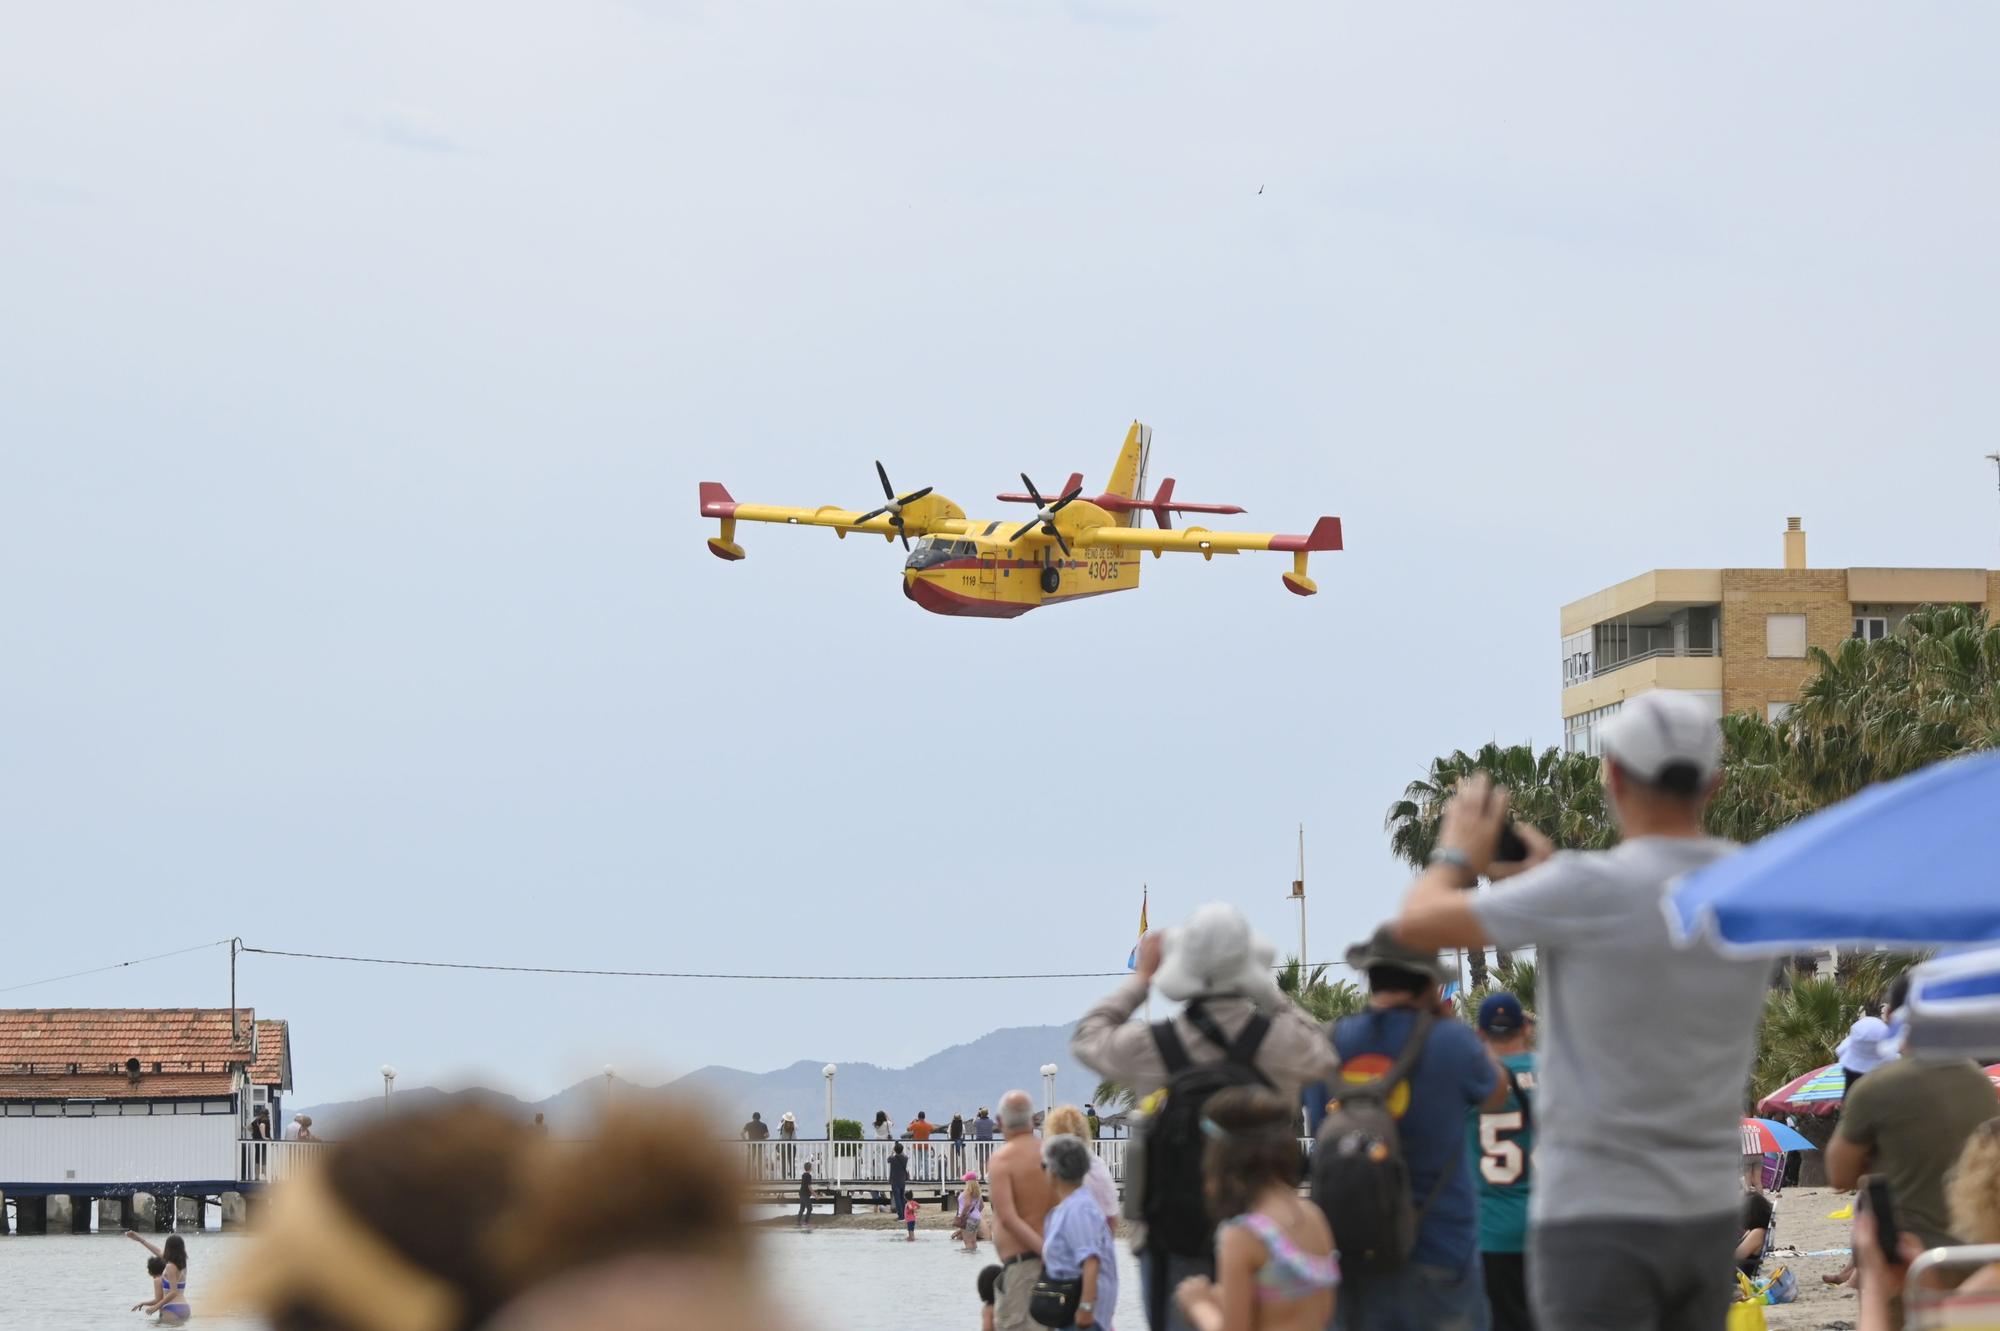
(147, 1244)
(1107, 1041)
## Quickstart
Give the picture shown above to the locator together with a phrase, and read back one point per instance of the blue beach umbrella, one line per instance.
(1912, 862)
(1765, 1136)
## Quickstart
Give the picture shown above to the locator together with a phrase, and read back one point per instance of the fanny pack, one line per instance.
(1053, 1302)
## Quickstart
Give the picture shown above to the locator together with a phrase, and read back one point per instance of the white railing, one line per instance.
(939, 1160)
(274, 1162)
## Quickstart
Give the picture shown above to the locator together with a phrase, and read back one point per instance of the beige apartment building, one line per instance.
(1735, 637)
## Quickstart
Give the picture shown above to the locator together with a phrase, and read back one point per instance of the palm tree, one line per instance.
(1561, 793)
(1112, 1097)
(1324, 1001)
(1802, 1024)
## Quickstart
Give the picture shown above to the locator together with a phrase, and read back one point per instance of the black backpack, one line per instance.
(1176, 1216)
(1358, 1175)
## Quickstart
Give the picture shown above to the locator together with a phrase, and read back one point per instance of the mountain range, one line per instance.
(958, 1080)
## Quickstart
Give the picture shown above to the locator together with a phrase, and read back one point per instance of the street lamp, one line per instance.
(1048, 1090)
(828, 1072)
(388, 1083)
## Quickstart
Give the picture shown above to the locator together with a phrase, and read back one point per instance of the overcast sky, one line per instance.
(359, 362)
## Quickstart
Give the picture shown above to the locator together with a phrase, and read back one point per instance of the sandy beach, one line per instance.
(1803, 1228)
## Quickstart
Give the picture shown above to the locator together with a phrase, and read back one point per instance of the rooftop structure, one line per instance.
(108, 1101)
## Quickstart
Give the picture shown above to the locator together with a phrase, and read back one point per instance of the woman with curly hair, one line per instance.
(1275, 1265)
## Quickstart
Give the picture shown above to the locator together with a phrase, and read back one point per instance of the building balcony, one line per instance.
(1665, 669)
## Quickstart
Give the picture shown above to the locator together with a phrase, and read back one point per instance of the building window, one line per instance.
(1784, 635)
(1576, 658)
(1581, 732)
(1871, 628)
(1775, 712)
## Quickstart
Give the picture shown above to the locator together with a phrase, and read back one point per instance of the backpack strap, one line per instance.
(1172, 1052)
(1243, 1049)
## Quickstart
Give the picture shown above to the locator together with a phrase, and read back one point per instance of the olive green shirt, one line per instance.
(1914, 1117)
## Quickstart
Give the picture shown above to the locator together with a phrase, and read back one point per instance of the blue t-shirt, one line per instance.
(1452, 1074)
(1075, 1230)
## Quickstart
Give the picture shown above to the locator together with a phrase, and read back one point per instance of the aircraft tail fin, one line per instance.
(1128, 472)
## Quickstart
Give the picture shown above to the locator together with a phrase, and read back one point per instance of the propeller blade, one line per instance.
(1024, 531)
(871, 513)
(888, 490)
(1059, 539)
(914, 495)
(1033, 493)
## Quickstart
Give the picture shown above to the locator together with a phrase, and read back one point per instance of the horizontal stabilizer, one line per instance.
(1075, 482)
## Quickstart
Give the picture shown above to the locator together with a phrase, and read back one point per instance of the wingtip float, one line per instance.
(1073, 546)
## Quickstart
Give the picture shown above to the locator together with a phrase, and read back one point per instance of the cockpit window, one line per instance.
(932, 550)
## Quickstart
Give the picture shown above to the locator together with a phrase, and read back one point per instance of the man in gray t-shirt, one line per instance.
(1645, 1045)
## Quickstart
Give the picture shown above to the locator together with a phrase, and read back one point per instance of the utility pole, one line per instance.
(234, 1033)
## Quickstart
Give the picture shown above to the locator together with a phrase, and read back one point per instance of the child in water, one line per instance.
(910, 1218)
(170, 1300)
(154, 1266)
(987, 1278)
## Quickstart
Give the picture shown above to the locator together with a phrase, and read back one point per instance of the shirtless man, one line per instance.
(1021, 1200)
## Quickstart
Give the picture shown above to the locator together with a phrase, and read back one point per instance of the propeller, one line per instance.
(894, 508)
(1045, 512)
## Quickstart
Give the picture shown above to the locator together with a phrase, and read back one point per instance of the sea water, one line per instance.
(831, 1280)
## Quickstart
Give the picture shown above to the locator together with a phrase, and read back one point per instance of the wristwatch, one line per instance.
(1085, 1306)
(1452, 856)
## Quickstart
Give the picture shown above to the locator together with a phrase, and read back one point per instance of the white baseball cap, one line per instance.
(1660, 729)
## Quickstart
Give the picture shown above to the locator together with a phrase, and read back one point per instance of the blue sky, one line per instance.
(360, 362)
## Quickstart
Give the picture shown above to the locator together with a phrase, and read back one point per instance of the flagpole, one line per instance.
(1144, 891)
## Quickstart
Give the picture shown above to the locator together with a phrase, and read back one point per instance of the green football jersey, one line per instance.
(1503, 1142)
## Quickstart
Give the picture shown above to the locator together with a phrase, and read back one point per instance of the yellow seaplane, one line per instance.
(1071, 548)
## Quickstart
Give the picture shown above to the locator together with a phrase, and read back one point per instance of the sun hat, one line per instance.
(1660, 729)
(1215, 953)
(969, 1176)
(1501, 1014)
(1383, 948)
(787, 1119)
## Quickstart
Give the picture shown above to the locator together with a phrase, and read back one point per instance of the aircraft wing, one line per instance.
(1325, 535)
(931, 514)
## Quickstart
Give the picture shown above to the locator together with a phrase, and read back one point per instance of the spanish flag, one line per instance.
(1132, 961)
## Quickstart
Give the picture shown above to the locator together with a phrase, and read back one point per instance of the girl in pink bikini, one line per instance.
(1275, 1263)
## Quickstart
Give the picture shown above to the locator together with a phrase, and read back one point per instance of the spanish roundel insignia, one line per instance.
(1364, 1068)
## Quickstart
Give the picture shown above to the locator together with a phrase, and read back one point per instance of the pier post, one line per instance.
(5, 1228)
(187, 1213)
(111, 1214)
(234, 1210)
(843, 1202)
